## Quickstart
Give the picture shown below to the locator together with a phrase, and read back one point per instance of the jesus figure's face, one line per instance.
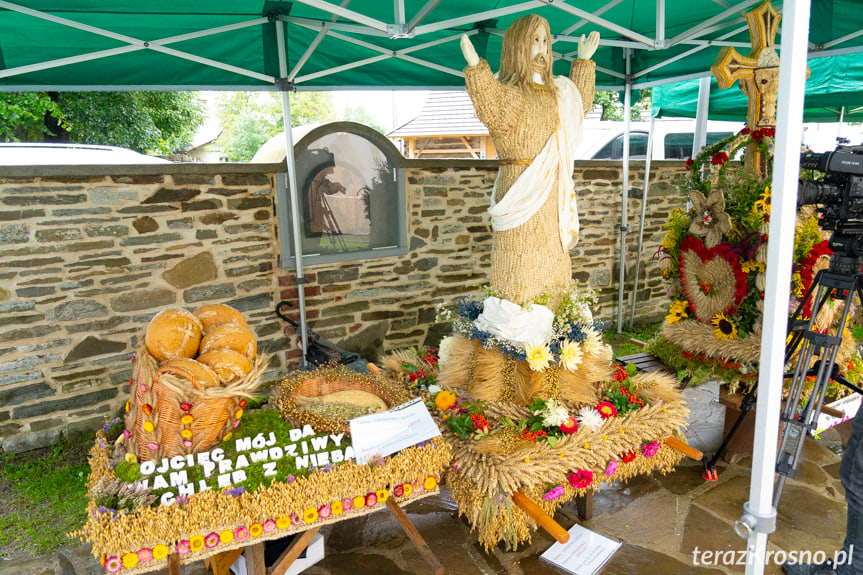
(539, 49)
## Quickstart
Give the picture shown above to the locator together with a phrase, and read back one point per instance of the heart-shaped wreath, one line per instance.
(712, 279)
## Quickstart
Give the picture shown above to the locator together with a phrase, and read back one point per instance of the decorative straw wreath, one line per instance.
(551, 450)
(326, 384)
(714, 256)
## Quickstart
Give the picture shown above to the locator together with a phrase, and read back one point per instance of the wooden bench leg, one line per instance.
(173, 564)
(584, 505)
(415, 537)
(255, 560)
(220, 564)
(291, 553)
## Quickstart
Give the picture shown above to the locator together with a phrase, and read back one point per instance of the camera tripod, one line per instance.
(840, 282)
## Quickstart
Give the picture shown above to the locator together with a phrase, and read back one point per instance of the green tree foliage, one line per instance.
(612, 107)
(360, 115)
(249, 119)
(148, 122)
(22, 115)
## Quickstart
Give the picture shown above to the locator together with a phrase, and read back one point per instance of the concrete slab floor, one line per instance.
(665, 523)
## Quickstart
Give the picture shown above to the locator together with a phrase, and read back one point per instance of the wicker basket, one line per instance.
(170, 413)
(326, 380)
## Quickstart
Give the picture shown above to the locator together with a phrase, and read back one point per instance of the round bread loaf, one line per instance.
(204, 375)
(218, 313)
(173, 332)
(228, 364)
(230, 336)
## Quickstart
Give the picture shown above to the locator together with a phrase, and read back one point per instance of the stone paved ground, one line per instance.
(660, 520)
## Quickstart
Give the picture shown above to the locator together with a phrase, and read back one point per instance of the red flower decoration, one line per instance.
(769, 132)
(580, 479)
(620, 373)
(529, 435)
(719, 158)
(569, 426)
(744, 131)
(689, 162)
(628, 456)
(479, 421)
(606, 409)
(757, 135)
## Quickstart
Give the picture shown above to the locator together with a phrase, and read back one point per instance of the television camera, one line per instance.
(840, 197)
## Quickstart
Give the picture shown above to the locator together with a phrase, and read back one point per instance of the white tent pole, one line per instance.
(641, 224)
(701, 114)
(292, 188)
(839, 126)
(759, 518)
(627, 108)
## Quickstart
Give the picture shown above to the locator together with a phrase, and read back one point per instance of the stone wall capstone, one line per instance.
(89, 254)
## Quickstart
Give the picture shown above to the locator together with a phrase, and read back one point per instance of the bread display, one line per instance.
(201, 376)
(173, 332)
(228, 364)
(230, 336)
(216, 314)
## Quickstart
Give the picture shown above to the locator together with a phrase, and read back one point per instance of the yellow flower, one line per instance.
(227, 436)
(186, 433)
(571, 355)
(408, 489)
(310, 515)
(752, 266)
(382, 495)
(763, 204)
(723, 328)
(226, 536)
(255, 529)
(130, 560)
(131, 458)
(592, 342)
(336, 507)
(667, 243)
(429, 483)
(160, 551)
(283, 522)
(359, 502)
(187, 419)
(148, 426)
(538, 355)
(196, 542)
(677, 311)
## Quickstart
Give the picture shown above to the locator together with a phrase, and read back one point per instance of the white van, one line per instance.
(672, 138)
(54, 154)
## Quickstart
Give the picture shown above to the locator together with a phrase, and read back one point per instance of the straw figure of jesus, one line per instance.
(535, 120)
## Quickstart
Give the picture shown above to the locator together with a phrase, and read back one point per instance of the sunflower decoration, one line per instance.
(677, 311)
(723, 327)
(763, 203)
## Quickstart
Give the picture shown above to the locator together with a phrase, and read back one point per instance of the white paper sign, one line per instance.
(847, 405)
(585, 552)
(389, 431)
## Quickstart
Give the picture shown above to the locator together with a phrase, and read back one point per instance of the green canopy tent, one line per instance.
(834, 93)
(64, 45)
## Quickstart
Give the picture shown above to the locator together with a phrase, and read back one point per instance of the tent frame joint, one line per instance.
(395, 31)
(751, 522)
(285, 85)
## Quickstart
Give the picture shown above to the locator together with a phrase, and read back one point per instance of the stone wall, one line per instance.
(86, 260)
(89, 254)
(359, 303)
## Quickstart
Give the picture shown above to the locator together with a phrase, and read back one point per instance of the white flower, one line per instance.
(588, 416)
(592, 342)
(553, 414)
(571, 355)
(445, 349)
(434, 389)
(538, 355)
